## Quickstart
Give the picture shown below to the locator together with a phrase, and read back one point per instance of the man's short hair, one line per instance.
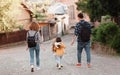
(80, 15)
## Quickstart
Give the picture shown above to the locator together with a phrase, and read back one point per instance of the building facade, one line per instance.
(72, 12)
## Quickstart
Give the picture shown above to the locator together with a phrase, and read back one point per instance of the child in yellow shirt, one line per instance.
(58, 49)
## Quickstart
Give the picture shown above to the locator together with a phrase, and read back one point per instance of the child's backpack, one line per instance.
(85, 32)
(31, 40)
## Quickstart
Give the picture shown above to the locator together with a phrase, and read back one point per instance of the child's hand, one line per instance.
(43, 48)
(54, 53)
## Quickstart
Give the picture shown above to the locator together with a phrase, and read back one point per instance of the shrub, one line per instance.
(108, 34)
(116, 42)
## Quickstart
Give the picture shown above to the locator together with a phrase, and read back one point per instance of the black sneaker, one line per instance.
(61, 65)
(59, 68)
(32, 69)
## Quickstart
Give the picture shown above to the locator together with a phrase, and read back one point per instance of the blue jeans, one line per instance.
(37, 53)
(58, 59)
(80, 47)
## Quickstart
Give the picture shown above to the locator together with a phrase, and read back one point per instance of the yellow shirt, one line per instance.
(60, 51)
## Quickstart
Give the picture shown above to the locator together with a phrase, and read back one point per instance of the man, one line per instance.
(82, 33)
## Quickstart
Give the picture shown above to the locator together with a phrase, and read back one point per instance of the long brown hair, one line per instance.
(34, 26)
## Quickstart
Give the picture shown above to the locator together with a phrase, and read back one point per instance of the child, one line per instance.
(58, 49)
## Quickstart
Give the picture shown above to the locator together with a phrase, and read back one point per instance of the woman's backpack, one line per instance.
(31, 40)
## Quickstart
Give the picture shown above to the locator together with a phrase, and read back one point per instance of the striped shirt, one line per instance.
(37, 35)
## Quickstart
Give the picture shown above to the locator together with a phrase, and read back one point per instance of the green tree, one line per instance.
(95, 9)
(82, 5)
(111, 7)
(98, 8)
(7, 12)
(92, 7)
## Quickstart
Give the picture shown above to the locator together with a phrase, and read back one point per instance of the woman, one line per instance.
(34, 31)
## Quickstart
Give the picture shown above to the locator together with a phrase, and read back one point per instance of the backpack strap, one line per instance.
(83, 23)
(35, 33)
(28, 33)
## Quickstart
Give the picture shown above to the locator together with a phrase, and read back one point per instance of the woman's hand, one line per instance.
(27, 48)
(42, 47)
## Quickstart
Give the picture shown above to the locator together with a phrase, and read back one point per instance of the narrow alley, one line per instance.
(15, 61)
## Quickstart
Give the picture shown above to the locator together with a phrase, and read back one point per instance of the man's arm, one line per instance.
(75, 34)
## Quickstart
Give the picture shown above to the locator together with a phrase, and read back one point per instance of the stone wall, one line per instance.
(102, 49)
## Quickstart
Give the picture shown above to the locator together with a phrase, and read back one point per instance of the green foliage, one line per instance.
(7, 12)
(116, 42)
(108, 34)
(20, 27)
(111, 7)
(107, 17)
(82, 5)
(98, 8)
(39, 16)
(118, 54)
(39, 10)
(94, 34)
(95, 9)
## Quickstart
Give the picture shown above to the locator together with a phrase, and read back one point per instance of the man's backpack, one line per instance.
(85, 32)
(31, 40)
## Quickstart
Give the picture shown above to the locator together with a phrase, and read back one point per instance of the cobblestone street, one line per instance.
(15, 61)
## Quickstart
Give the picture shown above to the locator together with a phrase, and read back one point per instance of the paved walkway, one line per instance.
(15, 61)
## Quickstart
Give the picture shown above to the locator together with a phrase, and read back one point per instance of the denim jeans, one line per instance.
(80, 47)
(37, 53)
(58, 59)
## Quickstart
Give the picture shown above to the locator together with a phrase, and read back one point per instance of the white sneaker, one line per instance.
(59, 67)
(38, 68)
(32, 66)
(54, 54)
